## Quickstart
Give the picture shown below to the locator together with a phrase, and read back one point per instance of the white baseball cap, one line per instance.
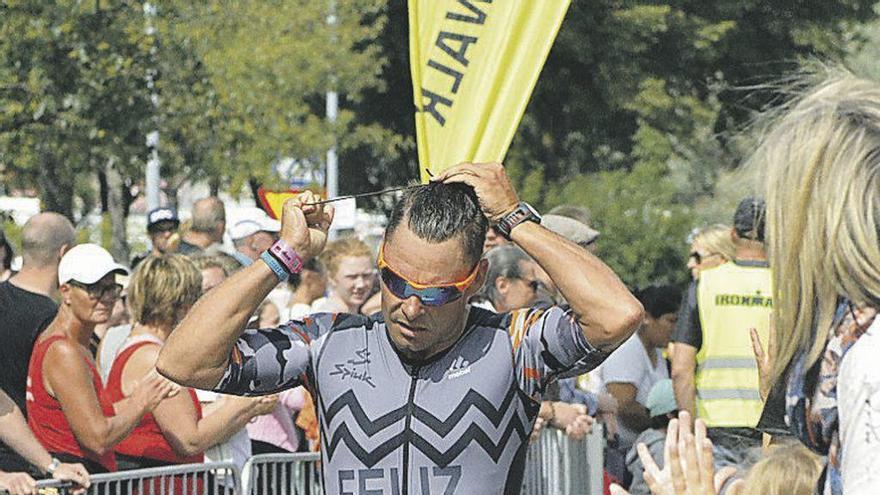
(253, 221)
(86, 264)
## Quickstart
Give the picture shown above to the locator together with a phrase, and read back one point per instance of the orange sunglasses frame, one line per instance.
(461, 286)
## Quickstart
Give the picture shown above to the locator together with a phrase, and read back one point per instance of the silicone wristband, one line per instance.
(287, 256)
(277, 268)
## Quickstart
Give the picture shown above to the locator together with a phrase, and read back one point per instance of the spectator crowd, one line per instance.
(758, 377)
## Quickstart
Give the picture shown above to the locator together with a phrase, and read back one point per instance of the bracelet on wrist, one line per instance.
(287, 256)
(277, 268)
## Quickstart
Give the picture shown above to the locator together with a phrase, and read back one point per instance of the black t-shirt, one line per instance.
(23, 315)
(688, 329)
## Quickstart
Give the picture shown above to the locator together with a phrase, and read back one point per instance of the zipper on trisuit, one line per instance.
(414, 378)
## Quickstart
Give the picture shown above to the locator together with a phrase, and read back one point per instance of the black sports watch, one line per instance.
(523, 213)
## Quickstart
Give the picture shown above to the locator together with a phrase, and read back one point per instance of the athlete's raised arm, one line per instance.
(607, 312)
(197, 352)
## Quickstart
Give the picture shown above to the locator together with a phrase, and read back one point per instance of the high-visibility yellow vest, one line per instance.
(731, 299)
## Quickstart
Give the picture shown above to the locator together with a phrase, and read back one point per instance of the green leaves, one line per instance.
(239, 85)
(637, 108)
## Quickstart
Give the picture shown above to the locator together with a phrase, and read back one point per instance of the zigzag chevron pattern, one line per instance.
(471, 400)
(370, 427)
(473, 434)
(367, 458)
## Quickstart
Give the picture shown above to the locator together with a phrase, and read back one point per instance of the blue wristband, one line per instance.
(276, 266)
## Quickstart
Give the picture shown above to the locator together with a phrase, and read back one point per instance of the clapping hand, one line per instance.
(764, 360)
(689, 467)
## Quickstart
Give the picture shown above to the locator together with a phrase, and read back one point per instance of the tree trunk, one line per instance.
(102, 191)
(214, 186)
(116, 207)
(55, 186)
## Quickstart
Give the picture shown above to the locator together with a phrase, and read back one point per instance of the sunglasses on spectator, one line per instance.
(99, 291)
(699, 258)
(429, 295)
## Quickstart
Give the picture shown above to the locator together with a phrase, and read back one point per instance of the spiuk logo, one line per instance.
(357, 368)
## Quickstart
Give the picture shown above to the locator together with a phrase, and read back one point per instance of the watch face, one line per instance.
(522, 213)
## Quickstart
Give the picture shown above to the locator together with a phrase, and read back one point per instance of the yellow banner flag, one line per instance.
(474, 64)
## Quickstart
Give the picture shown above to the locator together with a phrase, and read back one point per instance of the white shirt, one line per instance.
(327, 305)
(858, 406)
(237, 449)
(295, 312)
(113, 340)
(630, 364)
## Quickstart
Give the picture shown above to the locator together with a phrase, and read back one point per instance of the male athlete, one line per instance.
(430, 396)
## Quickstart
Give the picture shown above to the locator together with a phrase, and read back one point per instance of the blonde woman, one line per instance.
(822, 161)
(787, 470)
(710, 247)
(161, 292)
(351, 275)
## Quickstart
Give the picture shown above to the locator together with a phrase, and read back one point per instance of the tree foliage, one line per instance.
(231, 87)
(637, 106)
(72, 94)
(271, 63)
(635, 115)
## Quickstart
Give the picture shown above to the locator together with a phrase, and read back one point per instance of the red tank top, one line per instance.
(146, 440)
(45, 416)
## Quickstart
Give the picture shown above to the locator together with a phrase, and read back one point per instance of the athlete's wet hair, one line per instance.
(438, 212)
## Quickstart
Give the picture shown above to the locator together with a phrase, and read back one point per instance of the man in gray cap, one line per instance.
(573, 223)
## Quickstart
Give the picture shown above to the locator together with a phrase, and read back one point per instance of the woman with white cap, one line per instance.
(66, 406)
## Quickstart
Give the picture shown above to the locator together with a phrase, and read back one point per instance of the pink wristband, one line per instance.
(287, 256)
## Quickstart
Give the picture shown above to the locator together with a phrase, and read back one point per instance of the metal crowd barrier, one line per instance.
(554, 465)
(214, 478)
(282, 474)
(559, 466)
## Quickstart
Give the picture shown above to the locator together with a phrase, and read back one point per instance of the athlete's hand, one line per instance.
(304, 225)
(490, 182)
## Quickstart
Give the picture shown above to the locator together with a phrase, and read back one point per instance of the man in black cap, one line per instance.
(162, 225)
(714, 371)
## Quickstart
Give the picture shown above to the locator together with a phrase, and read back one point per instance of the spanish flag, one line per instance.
(474, 64)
